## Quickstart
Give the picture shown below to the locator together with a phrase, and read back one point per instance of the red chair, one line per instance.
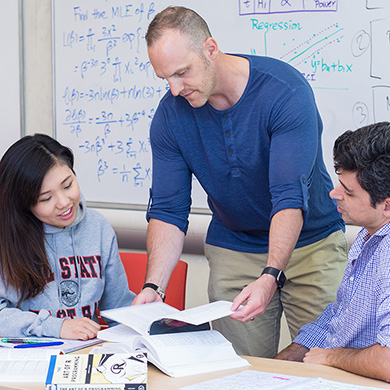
(135, 267)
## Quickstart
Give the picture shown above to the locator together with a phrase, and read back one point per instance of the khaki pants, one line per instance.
(313, 275)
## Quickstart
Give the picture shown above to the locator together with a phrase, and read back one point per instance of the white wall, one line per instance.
(10, 97)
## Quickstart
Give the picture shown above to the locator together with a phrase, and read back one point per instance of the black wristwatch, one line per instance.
(277, 273)
(158, 290)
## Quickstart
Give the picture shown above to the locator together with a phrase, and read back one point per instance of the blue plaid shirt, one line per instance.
(360, 317)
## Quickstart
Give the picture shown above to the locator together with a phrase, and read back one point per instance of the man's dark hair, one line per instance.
(366, 151)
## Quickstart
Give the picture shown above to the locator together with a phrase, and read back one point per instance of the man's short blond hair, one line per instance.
(181, 19)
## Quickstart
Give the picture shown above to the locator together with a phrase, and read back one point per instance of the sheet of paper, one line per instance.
(254, 380)
(246, 380)
(325, 384)
(75, 345)
(205, 313)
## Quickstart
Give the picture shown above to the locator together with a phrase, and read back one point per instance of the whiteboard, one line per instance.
(10, 102)
(106, 91)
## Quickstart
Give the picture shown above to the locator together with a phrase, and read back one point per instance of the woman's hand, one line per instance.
(79, 329)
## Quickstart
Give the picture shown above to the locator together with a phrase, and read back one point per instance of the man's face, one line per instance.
(187, 72)
(354, 204)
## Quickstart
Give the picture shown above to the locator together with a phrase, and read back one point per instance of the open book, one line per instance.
(176, 352)
(156, 317)
(25, 365)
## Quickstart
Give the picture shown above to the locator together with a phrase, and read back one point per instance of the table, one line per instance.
(157, 380)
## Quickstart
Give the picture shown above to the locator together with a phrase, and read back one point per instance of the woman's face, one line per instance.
(59, 198)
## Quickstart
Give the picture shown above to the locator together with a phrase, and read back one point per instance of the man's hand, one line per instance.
(147, 295)
(79, 329)
(317, 356)
(294, 352)
(258, 295)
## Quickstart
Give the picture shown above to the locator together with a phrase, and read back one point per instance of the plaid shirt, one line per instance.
(360, 317)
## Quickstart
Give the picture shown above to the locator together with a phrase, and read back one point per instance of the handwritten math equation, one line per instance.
(107, 93)
(250, 7)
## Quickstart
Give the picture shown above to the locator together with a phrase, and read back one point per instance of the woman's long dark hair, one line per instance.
(24, 264)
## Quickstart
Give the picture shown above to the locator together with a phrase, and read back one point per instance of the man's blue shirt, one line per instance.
(254, 159)
(360, 317)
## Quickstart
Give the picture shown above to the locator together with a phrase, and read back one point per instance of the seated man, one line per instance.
(353, 333)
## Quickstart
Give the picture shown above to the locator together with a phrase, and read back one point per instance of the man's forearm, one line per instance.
(164, 245)
(373, 361)
(286, 226)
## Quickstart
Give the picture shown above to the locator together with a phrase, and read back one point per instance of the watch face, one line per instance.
(281, 279)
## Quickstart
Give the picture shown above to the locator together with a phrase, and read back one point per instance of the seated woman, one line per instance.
(59, 260)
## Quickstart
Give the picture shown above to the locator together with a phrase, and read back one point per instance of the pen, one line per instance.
(40, 344)
(28, 341)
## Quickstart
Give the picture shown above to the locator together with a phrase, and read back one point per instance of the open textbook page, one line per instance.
(119, 334)
(190, 353)
(25, 365)
(178, 354)
(141, 317)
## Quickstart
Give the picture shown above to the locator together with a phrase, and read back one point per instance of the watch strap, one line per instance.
(156, 288)
(277, 273)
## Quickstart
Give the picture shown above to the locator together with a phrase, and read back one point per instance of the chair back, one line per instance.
(135, 267)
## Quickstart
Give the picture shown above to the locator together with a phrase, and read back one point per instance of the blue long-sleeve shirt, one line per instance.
(360, 317)
(254, 159)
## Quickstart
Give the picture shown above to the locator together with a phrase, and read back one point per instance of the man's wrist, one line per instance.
(156, 288)
(278, 274)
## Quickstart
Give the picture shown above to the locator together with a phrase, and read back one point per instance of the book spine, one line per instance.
(50, 370)
(89, 369)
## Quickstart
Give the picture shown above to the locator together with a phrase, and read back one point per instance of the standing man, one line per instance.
(248, 128)
(353, 333)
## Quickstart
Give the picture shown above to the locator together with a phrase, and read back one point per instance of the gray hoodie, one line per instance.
(75, 288)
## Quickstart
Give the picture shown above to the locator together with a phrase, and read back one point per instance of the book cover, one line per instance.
(121, 371)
